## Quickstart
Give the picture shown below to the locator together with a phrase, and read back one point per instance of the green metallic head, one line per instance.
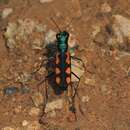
(62, 41)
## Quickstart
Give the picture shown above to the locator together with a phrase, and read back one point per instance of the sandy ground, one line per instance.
(105, 83)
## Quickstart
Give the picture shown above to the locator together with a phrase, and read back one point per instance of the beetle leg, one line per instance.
(46, 78)
(42, 63)
(43, 115)
(71, 104)
(76, 93)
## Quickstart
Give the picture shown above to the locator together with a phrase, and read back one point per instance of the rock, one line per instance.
(100, 39)
(105, 8)
(24, 77)
(57, 104)
(10, 34)
(85, 99)
(11, 30)
(6, 12)
(25, 123)
(45, 1)
(104, 89)
(24, 89)
(18, 109)
(121, 29)
(7, 128)
(34, 111)
(38, 99)
(40, 28)
(90, 82)
(50, 37)
(21, 30)
(96, 30)
(77, 68)
(121, 25)
(72, 41)
(33, 126)
(11, 44)
(37, 44)
(10, 90)
(52, 114)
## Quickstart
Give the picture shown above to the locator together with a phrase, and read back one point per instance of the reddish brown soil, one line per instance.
(107, 109)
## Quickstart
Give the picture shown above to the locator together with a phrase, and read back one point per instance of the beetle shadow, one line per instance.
(51, 49)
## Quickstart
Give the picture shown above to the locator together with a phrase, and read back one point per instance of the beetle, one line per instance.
(62, 70)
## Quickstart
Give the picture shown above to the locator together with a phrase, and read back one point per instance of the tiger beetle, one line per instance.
(62, 71)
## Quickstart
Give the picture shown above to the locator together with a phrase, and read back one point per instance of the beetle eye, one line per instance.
(58, 35)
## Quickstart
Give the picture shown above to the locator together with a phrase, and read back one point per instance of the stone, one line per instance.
(37, 44)
(11, 44)
(40, 28)
(123, 24)
(90, 82)
(38, 99)
(6, 12)
(96, 30)
(18, 109)
(10, 90)
(24, 77)
(72, 41)
(45, 1)
(33, 126)
(19, 31)
(105, 8)
(85, 99)
(104, 89)
(50, 37)
(121, 28)
(57, 104)
(52, 114)
(25, 123)
(7, 128)
(34, 111)
(11, 30)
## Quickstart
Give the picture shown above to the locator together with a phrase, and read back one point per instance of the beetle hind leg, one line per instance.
(71, 104)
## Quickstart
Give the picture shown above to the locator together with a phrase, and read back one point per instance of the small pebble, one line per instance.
(6, 12)
(37, 44)
(105, 8)
(52, 114)
(34, 111)
(7, 128)
(10, 90)
(45, 1)
(50, 37)
(96, 30)
(18, 109)
(25, 123)
(85, 99)
(57, 104)
(91, 82)
(33, 126)
(121, 31)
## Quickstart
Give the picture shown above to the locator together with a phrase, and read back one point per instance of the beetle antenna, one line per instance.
(68, 25)
(56, 24)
